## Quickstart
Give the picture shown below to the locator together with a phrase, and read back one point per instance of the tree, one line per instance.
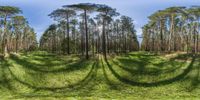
(74, 22)
(106, 12)
(7, 12)
(19, 24)
(65, 14)
(159, 18)
(86, 7)
(101, 34)
(179, 27)
(194, 14)
(173, 13)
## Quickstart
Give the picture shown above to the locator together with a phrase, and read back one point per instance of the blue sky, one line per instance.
(36, 11)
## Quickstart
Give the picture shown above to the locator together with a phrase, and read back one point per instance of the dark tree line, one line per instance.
(172, 29)
(75, 32)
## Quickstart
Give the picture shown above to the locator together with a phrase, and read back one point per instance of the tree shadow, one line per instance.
(158, 83)
(67, 68)
(47, 59)
(195, 78)
(85, 85)
(143, 71)
(108, 81)
(47, 62)
(76, 85)
(140, 59)
(138, 66)
(80, 86)
(4, 81)
(45, 55)
(182, 57)
(143, 55)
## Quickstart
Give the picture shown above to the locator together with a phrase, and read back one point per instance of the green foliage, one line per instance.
(15, 31)
(9, 10)
(172, 29)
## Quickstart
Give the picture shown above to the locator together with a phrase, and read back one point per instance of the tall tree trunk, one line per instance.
(5, 40)
(86, 34)
(104, 40)
(194, 39)
(68, 52)
(161, 35)
(171, 33)
(17, 37)
(82, 43)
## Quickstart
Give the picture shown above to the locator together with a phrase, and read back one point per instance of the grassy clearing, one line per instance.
(137, 75)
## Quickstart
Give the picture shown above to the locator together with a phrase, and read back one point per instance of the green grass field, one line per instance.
(137, 75)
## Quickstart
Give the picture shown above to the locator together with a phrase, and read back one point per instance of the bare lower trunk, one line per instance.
(86, 34)
(104, 39)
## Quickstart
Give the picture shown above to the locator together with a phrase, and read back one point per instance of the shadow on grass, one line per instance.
(195, 80)
(45, 60)
(146, 84)
(140, 60)
(48, 60)
(4, 80)
(45, 55)
(110, 83)
(77, 85)
(140, 68)
(28, 65)
(137, 65)
(182, 57)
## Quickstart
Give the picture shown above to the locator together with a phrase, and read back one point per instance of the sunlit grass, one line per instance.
(138, 75)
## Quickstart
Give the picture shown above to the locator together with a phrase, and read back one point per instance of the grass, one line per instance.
(137, 75)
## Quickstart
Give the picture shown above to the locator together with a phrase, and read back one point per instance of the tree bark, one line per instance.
(68, 49)
(104, 40)
(86, 34)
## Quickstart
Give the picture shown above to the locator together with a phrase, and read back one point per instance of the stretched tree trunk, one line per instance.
(86, 34)
(125, 43)
(194, 39)
(198, 36)
(161, 35)
(171, 33)
(17, 38)
(68, 52)
(104, 40)
(117, 39)
(108, 43)
(74, 33)
(82, 43)
(93, 45)
(5, 40)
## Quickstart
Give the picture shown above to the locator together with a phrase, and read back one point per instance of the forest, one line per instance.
(91, 51)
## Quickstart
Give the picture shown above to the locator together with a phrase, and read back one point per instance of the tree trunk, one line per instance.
(5, 40)
(17, 37)
(161, 35)
(86, 34)
(68, 52)
(104, 40)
